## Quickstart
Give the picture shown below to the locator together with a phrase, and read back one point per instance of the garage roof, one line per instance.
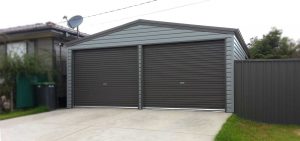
(202, 28)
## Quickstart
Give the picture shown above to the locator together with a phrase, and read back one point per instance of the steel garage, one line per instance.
(155, 64)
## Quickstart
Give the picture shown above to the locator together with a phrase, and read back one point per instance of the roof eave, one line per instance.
(42, 29)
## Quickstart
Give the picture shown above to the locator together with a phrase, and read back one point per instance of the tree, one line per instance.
(296, 54)
(273, 46)
(12, 66)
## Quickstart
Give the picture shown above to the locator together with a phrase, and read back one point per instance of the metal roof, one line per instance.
(202, 28)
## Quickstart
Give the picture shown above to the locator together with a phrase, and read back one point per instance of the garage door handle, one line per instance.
(181, 83)
(104, 84)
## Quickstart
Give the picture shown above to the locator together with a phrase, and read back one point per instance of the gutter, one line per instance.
(42, 29)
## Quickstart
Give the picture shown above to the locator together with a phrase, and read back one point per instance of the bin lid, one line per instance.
(44, 83)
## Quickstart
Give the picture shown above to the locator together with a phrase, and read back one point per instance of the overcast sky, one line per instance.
(252, 17)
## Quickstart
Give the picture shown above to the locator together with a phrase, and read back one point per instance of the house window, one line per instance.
(16, 49)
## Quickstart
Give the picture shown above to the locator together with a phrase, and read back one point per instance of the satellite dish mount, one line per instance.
(74, 22)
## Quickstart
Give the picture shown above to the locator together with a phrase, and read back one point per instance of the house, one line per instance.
(155, 64)
(45, 39)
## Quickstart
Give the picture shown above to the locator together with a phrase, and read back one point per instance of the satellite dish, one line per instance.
(75, 21)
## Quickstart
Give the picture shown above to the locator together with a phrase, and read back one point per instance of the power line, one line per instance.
(155, 12)
(115, 10)
(147, 2)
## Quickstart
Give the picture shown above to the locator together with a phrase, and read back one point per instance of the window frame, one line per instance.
(28, 44)
(10, 54)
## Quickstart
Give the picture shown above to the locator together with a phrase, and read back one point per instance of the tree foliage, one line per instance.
(273, 46)
(11, 67)
(297, 52)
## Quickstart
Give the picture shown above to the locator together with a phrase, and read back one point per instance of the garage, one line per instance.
(148, 64)
(106, 77)
(179, 75)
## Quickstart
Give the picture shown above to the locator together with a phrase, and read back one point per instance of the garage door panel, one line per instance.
(185, 75)
(106, 77)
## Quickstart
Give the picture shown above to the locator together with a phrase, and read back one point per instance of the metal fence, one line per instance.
(268, 90)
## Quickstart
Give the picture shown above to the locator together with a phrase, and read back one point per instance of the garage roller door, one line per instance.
(185, 75)
(106, 77)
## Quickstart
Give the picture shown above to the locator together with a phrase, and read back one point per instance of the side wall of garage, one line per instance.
(234, 51)
(150, 34)
(238, 54)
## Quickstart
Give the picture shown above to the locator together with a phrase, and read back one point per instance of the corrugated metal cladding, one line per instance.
(185, 75)
(268, 91)
(106, 77)
(153, 35)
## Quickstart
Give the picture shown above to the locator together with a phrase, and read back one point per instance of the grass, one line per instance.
(238, 129)
(22, 112)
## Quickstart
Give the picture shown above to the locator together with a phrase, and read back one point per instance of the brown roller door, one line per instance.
(106, 77)
(185, 75)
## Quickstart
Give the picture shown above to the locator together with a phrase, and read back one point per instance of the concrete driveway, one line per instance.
(107, 124)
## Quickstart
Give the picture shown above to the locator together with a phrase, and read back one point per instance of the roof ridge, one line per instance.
(185, 24)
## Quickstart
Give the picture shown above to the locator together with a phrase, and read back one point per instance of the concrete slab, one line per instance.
(107, 124)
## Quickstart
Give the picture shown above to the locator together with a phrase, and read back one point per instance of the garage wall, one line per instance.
(234, 51)
(149, 34)
(239, 53)
(146, 34)
(138, 35)
(229, 74)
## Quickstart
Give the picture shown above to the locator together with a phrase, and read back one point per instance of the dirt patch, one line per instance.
(297, 132)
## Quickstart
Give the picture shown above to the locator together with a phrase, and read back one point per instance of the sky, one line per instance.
(253, 17)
